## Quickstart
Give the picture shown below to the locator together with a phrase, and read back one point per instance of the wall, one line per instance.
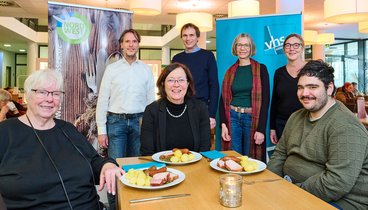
(8, 60)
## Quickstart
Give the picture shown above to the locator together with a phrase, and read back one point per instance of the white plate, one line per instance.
(175, 182)
(156, 157)
(261, 166)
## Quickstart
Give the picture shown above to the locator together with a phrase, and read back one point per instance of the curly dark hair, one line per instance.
(320, 69)
(167, 70)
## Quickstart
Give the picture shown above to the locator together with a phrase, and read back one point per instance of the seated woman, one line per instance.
(345, 93)
(176, 120)
(45, 162)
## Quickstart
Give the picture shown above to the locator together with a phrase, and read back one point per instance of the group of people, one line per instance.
(316, 149)
(346, 92)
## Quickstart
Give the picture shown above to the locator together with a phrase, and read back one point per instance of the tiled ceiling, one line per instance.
(313, 18)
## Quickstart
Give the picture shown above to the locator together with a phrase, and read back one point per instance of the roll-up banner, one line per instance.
(268, 33)
(82, 41)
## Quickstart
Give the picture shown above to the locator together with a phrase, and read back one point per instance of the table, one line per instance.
(202, 182)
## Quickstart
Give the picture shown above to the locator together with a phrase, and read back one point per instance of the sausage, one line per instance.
(153, 172)
(147, 171)
(231, 158)
(183, 151)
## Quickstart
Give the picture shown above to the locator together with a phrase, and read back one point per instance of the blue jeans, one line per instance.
(240, 132)
(123, 136)
(124, 141)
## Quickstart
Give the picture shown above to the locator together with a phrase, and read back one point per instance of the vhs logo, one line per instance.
(274, 37)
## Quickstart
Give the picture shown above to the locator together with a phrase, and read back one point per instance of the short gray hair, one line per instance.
(4, 95)
(42, 77)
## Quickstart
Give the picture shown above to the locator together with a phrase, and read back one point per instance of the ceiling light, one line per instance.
(7, 45)
(202, 20)
(345, 11)
(363, 27)
(22, 50)
(326, 38)
(310, 37)
(243, 8)
(145, 7)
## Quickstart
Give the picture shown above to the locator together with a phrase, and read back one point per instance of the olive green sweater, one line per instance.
(327, 157)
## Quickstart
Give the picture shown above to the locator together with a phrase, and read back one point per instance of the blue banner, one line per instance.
(268, 33)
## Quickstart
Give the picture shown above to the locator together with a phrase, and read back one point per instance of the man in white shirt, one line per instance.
(127, 87)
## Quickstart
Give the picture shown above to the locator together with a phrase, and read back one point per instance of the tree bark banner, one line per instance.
(82, 41)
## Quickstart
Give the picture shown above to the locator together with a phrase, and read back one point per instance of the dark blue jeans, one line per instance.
(240, 132)
(124, 140)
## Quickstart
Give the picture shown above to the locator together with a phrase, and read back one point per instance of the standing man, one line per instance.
(324, 147)
(127, 87)
(202, 65)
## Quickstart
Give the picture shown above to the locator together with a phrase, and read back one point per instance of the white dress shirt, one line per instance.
(125, 89)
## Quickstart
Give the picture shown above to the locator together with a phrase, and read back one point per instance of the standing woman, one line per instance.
(284, 98)
(244, 102)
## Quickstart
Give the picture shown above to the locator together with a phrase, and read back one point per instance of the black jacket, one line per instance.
(153, 130)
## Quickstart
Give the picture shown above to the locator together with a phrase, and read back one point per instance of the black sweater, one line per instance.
(284, 96)
(28, 179)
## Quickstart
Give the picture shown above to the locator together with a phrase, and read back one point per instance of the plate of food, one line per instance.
(177, 156)
(152, 178)
(238, 165)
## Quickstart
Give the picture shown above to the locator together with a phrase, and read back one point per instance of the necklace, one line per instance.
(176, 116)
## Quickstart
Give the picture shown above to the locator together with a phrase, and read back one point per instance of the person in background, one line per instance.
(355, 89)
(127, 87)
(324, 147)
(203, 67)
(45, 162)
(284, 99)
(4, 101)
(20, 109)
(345, 92)
(244, 102)
(176, 120)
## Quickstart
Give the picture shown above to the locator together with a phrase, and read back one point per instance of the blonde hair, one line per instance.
(251, 42)
(42, 77)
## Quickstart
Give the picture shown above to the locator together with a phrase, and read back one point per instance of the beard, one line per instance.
(320, 102)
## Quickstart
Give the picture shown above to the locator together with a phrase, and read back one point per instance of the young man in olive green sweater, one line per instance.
(324, 147)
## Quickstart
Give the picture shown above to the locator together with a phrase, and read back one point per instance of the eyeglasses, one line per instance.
(172, 81)
(295, 45)
(238, 45)
(45, 93)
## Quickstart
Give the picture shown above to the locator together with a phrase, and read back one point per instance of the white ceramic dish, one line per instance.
(175, 182)
(261, 166)
(156, 157)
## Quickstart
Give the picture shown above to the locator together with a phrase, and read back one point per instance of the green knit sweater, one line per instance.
(327, 157)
